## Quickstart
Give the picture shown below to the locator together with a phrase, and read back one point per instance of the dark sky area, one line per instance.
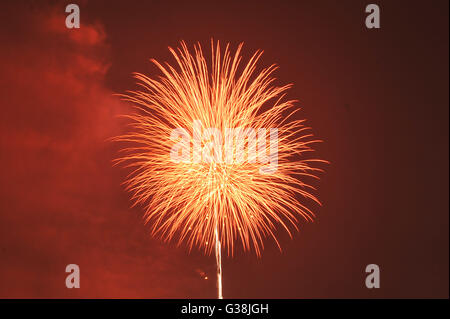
(378, 98)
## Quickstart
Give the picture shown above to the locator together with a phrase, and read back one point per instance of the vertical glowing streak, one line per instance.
(219, 265)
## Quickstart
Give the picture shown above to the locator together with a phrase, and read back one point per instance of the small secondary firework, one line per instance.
(217, 157)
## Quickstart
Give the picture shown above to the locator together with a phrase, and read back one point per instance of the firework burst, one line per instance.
(211, 203)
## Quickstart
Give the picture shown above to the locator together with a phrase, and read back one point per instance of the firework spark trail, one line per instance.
(219, 265)
(216, 201)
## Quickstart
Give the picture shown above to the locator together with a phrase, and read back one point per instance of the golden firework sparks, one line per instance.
(213, 196)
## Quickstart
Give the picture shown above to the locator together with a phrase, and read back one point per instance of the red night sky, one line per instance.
(378, 98)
